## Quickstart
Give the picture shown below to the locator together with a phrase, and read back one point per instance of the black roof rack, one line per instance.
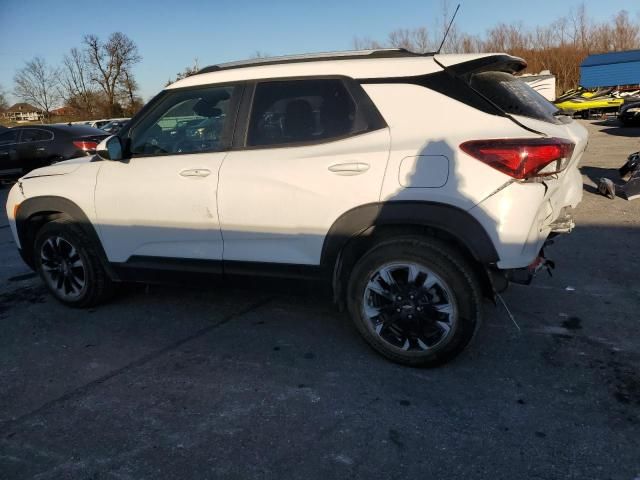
(313, 57)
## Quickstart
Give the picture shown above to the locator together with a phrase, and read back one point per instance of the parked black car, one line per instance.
(630, 113)
(23, 149)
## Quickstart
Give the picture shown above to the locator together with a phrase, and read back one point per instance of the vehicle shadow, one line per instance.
(622, 131)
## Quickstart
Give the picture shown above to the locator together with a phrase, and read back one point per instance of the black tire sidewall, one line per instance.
(67, 231)
(447, 265)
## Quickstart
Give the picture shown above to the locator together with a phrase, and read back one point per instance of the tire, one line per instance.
(431, 313)
(69, 264)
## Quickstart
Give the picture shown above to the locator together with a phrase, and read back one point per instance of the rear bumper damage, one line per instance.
(564, 223)
(524, 276)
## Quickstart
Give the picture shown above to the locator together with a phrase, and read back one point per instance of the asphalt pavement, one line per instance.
(208, 381)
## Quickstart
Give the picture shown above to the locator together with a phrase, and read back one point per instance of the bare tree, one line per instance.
(259, 54)
(36, 84)
(4, 104)
(111, 62)
(626, 35)
(75, 83)
(416, 40)
(365, 43)
(187, 72)
(581, 27)
(560, 46)
(128, 89)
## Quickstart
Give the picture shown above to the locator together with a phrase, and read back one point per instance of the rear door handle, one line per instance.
(195, 172)
(347, 169)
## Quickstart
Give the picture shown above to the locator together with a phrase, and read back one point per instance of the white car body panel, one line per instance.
(277, 204)
(518, 217)
(416, 132)
(77, 187)
(148, 207)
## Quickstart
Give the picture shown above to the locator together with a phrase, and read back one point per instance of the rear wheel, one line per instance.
(67, 261)
(415, 300)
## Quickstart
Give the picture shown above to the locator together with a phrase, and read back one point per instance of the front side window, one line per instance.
(185, 121)
(35, 135)
(287, 112)
(7, 138)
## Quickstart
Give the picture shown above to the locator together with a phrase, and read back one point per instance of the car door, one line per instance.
(161, 202)
(34, 148)
(9, 163)
(313, 149)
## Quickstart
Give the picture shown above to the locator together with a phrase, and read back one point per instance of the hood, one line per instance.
(60, 168)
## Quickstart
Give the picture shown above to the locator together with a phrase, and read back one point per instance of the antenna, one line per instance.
(448, 28)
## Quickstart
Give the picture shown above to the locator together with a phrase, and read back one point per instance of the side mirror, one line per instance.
(110, 148)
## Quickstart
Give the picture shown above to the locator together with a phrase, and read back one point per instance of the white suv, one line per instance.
(413, 184)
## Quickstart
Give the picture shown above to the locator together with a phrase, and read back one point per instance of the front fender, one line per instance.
(51, 205)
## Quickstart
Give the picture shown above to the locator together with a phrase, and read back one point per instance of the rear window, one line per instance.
(35, 135)
(513, 96)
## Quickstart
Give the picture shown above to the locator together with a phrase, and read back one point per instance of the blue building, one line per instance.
(611, 69)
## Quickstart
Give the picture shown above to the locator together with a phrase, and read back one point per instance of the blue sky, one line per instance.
(170, 34)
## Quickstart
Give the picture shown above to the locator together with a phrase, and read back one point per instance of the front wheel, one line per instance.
(415, 300)
(67, 261)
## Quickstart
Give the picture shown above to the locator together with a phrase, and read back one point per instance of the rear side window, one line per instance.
(303, 111)
(7, 138)
(513, 95)
(35, 135)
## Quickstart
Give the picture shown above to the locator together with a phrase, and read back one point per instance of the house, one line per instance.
(614, 69)
(64, 112)
(22, 112)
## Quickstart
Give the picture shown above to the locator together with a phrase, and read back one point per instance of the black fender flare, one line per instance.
(453, 220)
(48, 204)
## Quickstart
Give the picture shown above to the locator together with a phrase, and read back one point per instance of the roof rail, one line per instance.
(312, 57)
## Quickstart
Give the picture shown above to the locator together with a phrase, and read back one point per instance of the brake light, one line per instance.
(522, 158)
(85, 145)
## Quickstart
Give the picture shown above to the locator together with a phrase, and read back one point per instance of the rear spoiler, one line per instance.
(491, 63)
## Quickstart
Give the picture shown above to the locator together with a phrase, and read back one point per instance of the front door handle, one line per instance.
(195, 172)
(347, 169)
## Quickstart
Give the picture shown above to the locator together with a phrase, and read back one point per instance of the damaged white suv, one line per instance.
(414, 185)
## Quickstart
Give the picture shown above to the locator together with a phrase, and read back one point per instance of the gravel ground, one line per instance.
(198, 382)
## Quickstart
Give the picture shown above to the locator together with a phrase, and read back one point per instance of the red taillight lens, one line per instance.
(85, 145)
(522, 158)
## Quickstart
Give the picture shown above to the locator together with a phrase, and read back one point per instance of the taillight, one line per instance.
(86, 145)
(522, 158)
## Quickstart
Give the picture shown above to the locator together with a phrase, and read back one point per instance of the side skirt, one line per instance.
(163, 270)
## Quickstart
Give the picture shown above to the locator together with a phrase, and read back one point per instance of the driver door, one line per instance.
(161, 203)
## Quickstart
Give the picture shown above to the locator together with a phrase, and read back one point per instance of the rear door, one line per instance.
(9, 163)
(34, 148)
(311, 150)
